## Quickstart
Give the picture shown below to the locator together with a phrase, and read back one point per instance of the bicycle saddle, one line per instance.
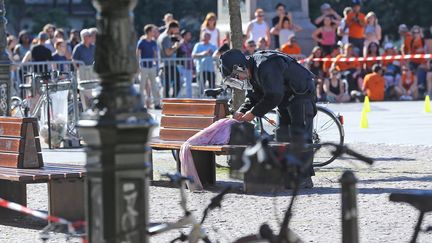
(422, 200)
(213, 92)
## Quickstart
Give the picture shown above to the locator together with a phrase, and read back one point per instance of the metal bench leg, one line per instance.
(205, 164)
(15, 192)
(66, 199)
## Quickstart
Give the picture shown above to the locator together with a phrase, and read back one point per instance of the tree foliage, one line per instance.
(390, 13)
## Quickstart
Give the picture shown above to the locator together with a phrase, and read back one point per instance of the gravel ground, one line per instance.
(317, 211)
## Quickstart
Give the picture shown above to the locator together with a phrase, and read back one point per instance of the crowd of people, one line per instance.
(354, 34)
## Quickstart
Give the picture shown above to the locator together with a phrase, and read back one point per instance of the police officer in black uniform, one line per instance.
(273, 79)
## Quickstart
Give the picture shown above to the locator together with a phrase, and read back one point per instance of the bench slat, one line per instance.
(181, 100)
(172, 134)
(189, 109)
(10, 129)
(44, 174)
(11, 145)
(186, 122)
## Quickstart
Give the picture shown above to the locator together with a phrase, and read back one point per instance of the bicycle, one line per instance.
(327, 127)
(197, 231)
(422, 201)
(291, 169)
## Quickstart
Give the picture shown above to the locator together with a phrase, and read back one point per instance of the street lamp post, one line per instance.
(116, 133)
(5, 82)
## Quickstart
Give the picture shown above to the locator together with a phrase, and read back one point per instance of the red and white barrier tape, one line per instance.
(19, 208)
(362, 59)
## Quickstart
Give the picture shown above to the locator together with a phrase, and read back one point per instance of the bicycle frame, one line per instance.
(195, 234)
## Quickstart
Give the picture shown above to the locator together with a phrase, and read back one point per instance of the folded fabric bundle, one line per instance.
(216, 134)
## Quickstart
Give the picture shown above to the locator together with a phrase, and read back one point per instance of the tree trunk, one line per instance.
(238, 96)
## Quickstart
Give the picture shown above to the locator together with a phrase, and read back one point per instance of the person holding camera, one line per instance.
(356, 22)
(168, 43)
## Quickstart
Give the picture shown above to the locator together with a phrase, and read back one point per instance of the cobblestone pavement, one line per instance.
(317, 211)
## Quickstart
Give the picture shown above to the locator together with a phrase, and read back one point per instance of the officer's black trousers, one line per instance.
(296, 124)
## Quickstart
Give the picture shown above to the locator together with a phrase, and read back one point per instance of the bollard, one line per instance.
(349, 208)
(116, 132)
(5, 82)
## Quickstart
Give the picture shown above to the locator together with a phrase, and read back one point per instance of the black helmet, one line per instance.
(229, 59)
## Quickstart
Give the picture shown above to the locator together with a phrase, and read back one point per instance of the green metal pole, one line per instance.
(116, 133)
(5, 82)
(349, 208)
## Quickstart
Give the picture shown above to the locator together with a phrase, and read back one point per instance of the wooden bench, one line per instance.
(181, 119)
(19, 143)
(21, 163)
(65, 188)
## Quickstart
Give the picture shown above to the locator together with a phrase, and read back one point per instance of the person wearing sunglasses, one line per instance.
(274, 80)
(258, 28)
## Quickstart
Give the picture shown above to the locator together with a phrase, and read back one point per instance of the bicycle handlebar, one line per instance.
(343, 149)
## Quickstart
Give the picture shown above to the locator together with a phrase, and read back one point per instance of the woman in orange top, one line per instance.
(408, 84)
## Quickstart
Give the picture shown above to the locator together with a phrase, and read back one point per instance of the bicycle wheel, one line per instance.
(326, 128)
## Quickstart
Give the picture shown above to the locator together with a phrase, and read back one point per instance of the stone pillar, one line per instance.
(116, 133)
(5, 82)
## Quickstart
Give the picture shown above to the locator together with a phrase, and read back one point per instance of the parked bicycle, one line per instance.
(327, 128)
(422, 201)
(292, 169)
(197, 232)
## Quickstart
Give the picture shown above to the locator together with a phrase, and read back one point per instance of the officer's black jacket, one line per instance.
(274, 78)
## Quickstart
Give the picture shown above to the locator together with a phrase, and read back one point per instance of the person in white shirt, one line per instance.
(343, 30)
(258, 28)
(209, 26)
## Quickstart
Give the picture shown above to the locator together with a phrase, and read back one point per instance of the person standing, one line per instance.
(280, 14)
(23, 45)
(203, 58)
(273, 79)
(84, 52)
(327, 11)
(168, 43)
(74, 39)
(343, 28)
(372, 31)
(258, 28)
(168, 18)
(186, 67)
(39, 53)
(209, 25)
(49, 29)
(356, 22)
(146, 52)
(326, 36)
(285, 29)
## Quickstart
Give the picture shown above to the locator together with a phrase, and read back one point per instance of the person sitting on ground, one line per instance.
(429, 78)
(250, 47)
(291, 47)
(335, 89)
(262, 44)
(408, 84)
(351, 70)
(372, 51)
(373, 85)
(392, 73)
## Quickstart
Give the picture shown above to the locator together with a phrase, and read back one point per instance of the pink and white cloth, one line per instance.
(216, 134)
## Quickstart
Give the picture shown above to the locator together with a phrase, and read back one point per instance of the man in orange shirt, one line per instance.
(356, 22)
(373, 84)
(406, 39)
(291, 47)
